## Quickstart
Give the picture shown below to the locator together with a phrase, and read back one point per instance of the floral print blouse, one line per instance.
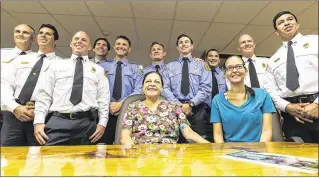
(160, 126)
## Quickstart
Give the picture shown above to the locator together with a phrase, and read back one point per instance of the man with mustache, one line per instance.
(292, 79)
(20, 83)
(101, 48)
(189, 83)
(75, 93)
(256, 65)
(122, 76)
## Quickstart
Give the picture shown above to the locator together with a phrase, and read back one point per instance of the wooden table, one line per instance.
(147, 160)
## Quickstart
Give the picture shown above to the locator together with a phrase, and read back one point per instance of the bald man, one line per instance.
(75, 94)
(256, 65)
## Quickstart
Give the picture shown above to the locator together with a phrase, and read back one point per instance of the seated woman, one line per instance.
(154, 120)
(241, 114)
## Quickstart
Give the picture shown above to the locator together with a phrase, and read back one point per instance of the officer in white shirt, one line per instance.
(20, 83)
(292, 79)
(101, 48)
(75, 93)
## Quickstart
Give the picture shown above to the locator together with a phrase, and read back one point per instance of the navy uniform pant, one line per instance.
(109, 134)
(63, 131)
(16, 133)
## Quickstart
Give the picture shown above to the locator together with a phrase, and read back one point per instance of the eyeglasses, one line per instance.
(237, 67)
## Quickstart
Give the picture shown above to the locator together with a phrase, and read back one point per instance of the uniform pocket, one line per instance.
(63, 79)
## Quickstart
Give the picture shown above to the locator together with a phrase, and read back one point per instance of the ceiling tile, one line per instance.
(204, 10)
(153, 30)
(266, 15)
(58, 53)
(258, 33)
(7, 25)
(219, 35)
(305, 21)
(20, 6)
(240, 12)
(87, 25)
(193, 29)
(66, 7)
(66, 51)
(111, 9)
(36, 20)
(269, 46)
(118, 26)
(305, 31)
(154, 10)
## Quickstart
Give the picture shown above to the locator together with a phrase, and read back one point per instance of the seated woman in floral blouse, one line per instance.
(154, 120)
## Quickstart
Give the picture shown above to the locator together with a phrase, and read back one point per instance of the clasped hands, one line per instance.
(303, 112)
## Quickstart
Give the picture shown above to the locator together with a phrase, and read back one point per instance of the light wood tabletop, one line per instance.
(150, 160)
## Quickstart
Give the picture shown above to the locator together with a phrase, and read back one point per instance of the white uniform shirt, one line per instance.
(306, 56)
(260, 64)
(56, 91)
(9, 54)
(14, 76)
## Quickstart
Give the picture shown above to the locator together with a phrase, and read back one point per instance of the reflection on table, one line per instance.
(148, 160)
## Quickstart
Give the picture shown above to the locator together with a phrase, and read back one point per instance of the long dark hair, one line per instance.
(148, 73)
(248, 90)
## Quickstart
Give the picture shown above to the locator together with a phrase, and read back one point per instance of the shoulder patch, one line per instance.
(306, 45)
(277, 60)
(264, 65)
(207, 67)
(105, 73)
(93, 69)
(140, 71)
(164, 69)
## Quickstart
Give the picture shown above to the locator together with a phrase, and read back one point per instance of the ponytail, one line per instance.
(249, 90)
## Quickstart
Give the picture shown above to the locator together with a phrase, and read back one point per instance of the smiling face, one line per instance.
(121, 48)
(80, 44)
(45, 38)
(235, 70)
(157, 52)
(287, 27)
(23, 35)
(184, 46)
(246, 45)
(152, 86)
(213, 59)
(100, 48)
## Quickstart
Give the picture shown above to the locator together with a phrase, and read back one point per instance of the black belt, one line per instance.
(302, 98)
(28, 103)
(72, 116)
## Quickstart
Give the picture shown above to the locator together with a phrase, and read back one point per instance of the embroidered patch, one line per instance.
(306, 45)
(105, 73)
(140, 71)
(93, 70)
(277, 60)
(24, 62)
(264, 65)
(207, 67)
(164, 69)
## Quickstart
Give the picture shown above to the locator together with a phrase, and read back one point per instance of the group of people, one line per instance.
(47, 100)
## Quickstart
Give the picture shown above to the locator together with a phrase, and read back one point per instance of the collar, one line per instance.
(18, 50)
(125, 61)
(253, 58)
(161, 65)
(49, 55)
(190, 59)
(218, 69)
(85, 58)
(97, 61)
(294, 40)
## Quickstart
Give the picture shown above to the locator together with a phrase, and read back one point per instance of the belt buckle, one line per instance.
(303, 99)
(30, 103)
(71, 116)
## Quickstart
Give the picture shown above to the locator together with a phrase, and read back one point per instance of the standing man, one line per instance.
(101, 48)
(157, 54)
(256, 65)
(218, 85)
(19, 83)
(122, 76)
(292, 79)
(190, 83)
(75, 93)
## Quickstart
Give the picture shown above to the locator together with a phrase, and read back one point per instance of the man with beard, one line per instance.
(122, 76)
(101, 48)
(75, 93)
(292, 79)
(189, 83)
(20, 83)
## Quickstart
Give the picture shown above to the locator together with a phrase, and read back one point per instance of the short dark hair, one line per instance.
(280, 14)
(181, 36)
(125, 38)
(152, 73)
(55, 31)
(248, 90)
(107, 43)
(210, 51)
(154, 43)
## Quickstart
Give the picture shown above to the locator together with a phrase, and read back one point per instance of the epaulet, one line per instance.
(207, 67)
(164, 69)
